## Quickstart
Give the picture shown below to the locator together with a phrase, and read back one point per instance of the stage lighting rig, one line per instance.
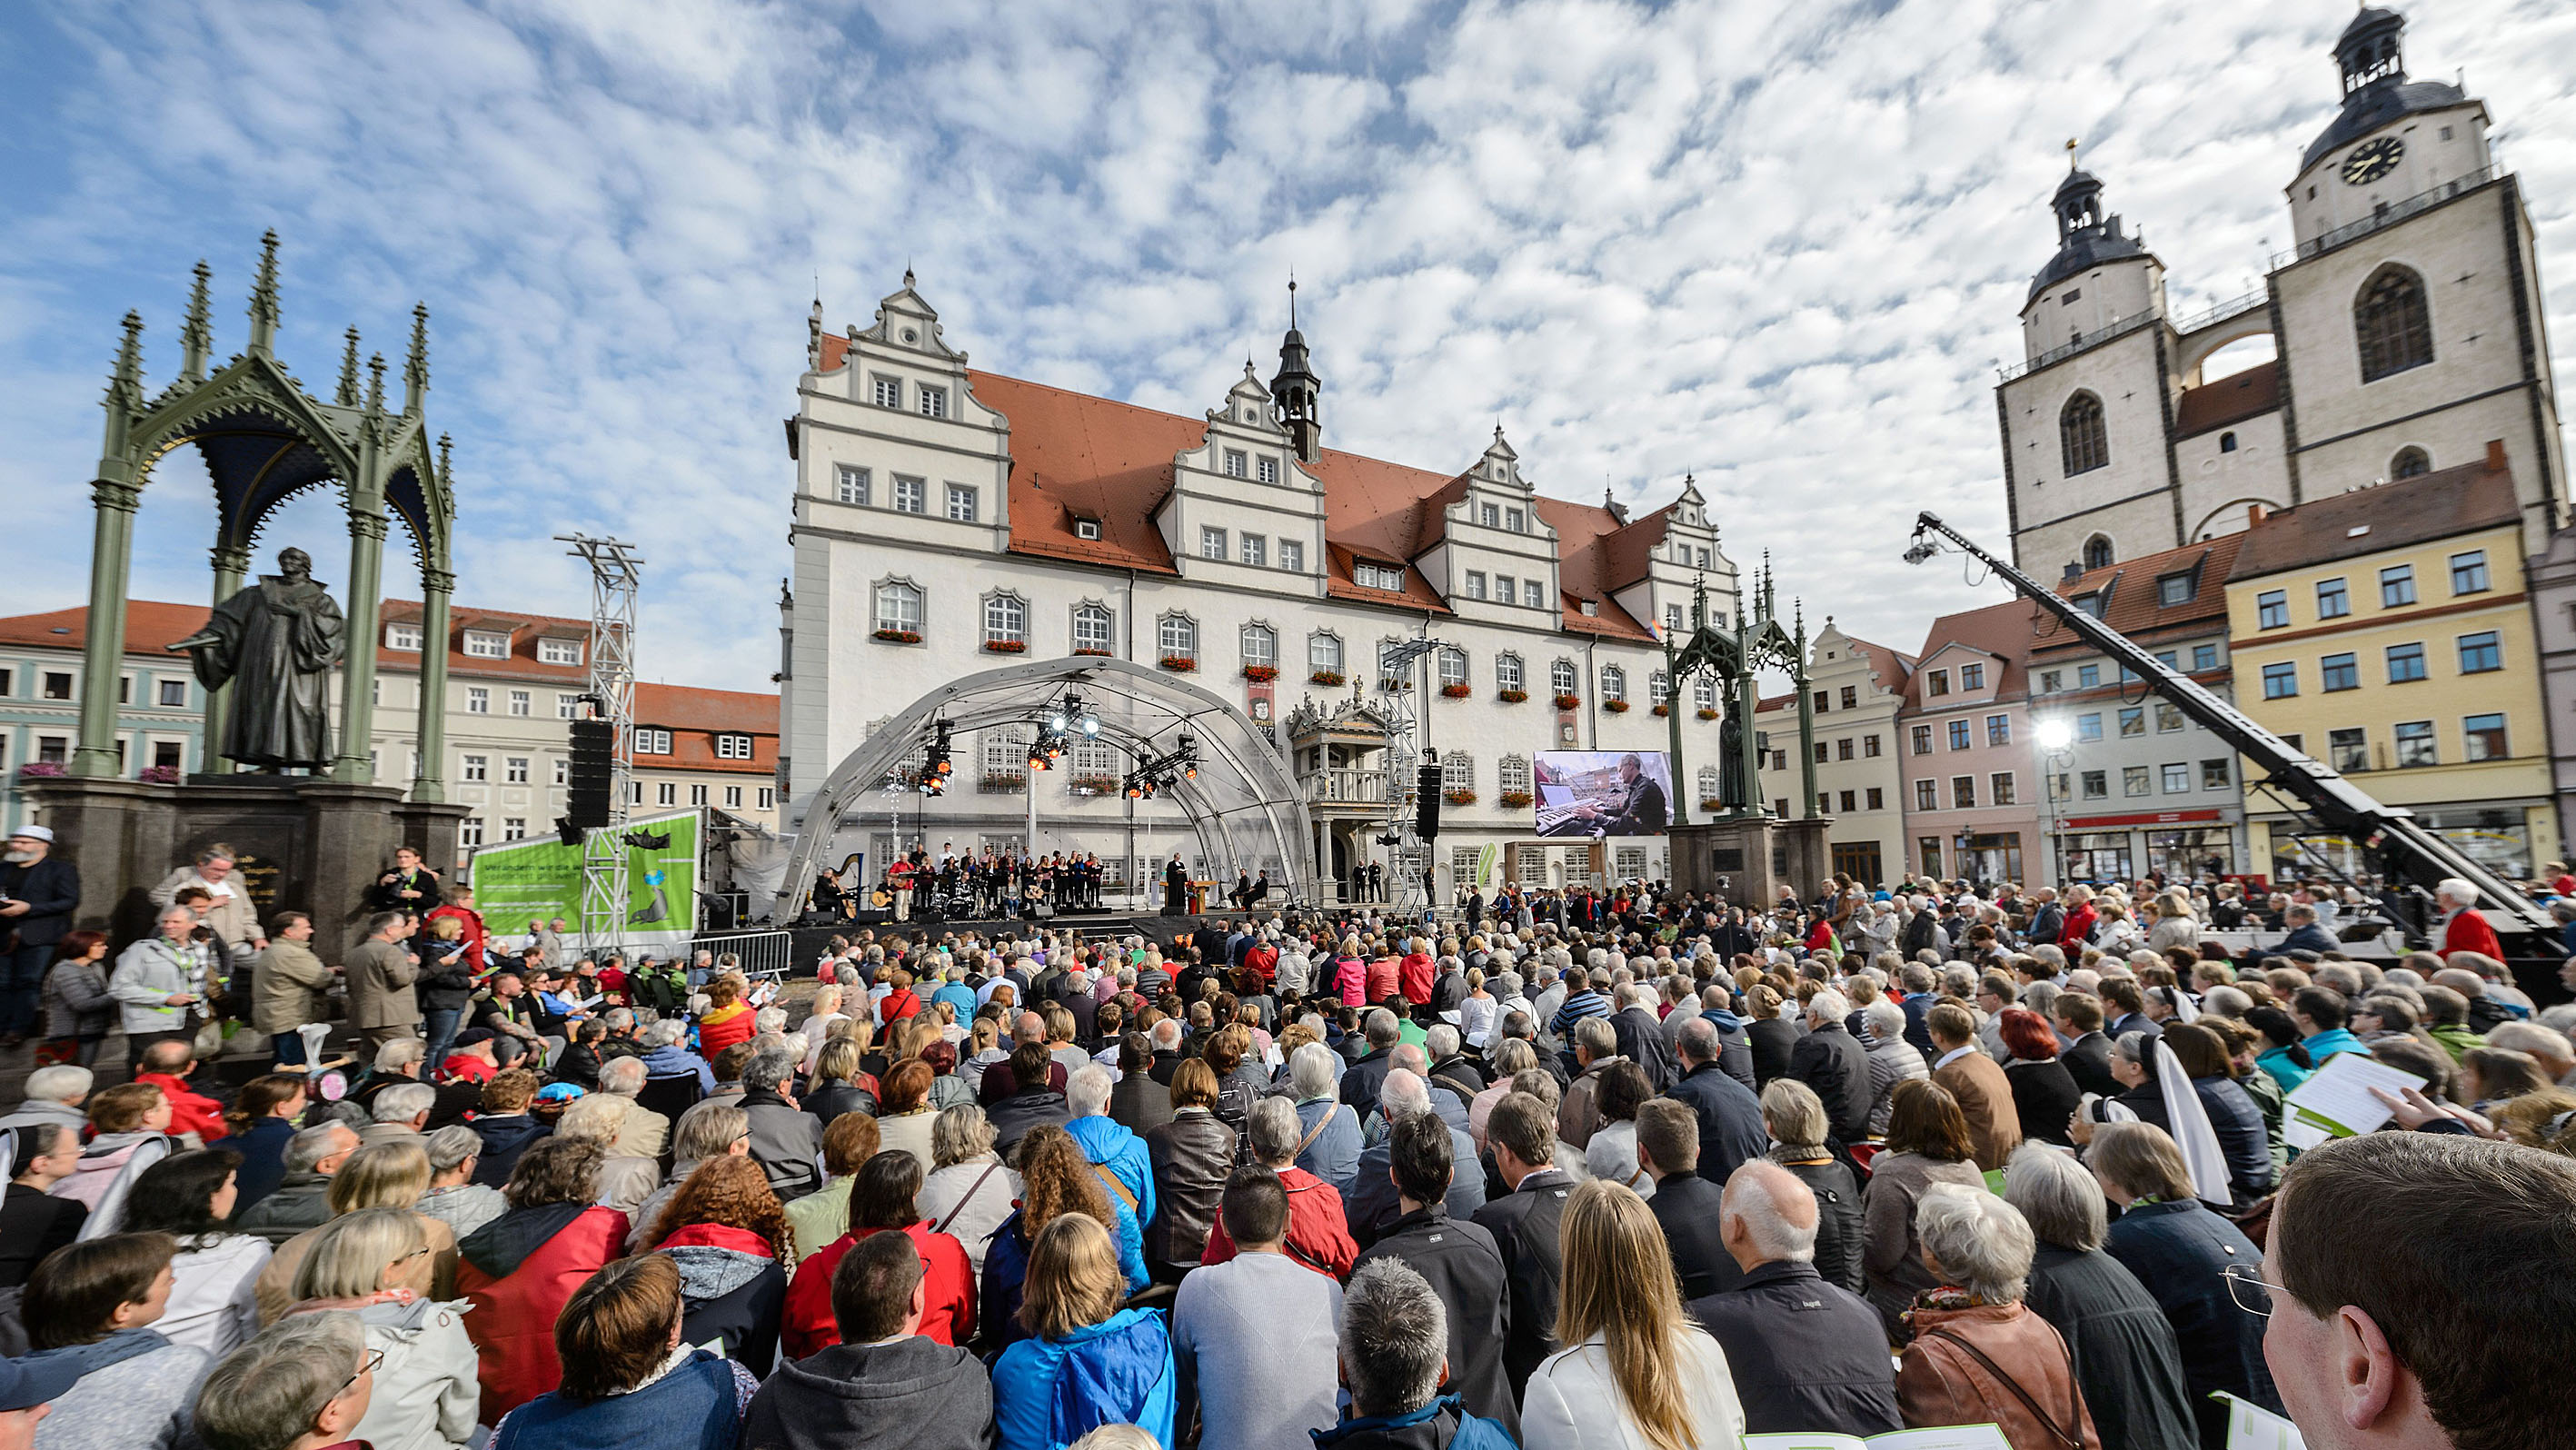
(935, 765)
(1159, 772)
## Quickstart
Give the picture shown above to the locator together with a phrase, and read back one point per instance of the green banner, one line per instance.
(539, 879)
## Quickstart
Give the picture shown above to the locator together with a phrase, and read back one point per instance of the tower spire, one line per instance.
(346, 395)
(263, 299)
(416, 365)
(197, 337)
(1297, 391)
(376, 383)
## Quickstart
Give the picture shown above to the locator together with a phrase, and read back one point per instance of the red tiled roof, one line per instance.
(2000, 630)
(149, 624)
(2133, 608)
(695, 717)
(2231, 399)
(2390, 516)
(1889, 665)
(524, 629)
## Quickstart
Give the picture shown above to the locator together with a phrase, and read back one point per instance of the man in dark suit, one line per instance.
(2088, 1053)
(1460, 1261)
(1832, 1061)
(1361, 1083)
(1807, 1355)
(38, 894)
(1641, 1037)
(1685, 1204)
(1525, 1224)
(1730, 1116)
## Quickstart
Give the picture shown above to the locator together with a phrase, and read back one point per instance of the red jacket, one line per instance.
(898, 1004)
(1413, 977)
(2468, 932)
(518, 1279)
(196, 1113)
(2080, 921)
(724, 1027)
(1385, 978)
(475, 939)
(1318, 1232)
(947, 1290)
(1264, 962)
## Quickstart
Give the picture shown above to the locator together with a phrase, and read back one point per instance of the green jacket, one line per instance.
(2456, 1039)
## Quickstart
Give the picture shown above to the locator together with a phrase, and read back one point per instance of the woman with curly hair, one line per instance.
(1055, 1179)
(727, 1234)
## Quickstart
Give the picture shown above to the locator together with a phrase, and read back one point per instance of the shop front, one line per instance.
(2178, 845)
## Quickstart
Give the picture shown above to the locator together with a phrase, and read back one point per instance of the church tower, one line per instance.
(1297, 390)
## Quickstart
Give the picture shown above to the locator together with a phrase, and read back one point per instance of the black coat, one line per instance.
(1460, 1261)
(1193, 1155)
(1365, 1079)
(827, 1103)
(1013, 1116)
(1641, 1041)
(446, 981)
(913, 1394)
(2178, 1250)
(1524, 1224)
(1833, 1062)
(51, 889)
(504, 1137)
(1806, 1355)
(1773, 1038)
(1841, 1232)
(2089, 1061)
(34, 1223)
(2126, 1359)
(1685, 1205)
(1369, 1202)
(1140, 1104)
(1730, 1120)
(2044, 1095)
(745, 1317)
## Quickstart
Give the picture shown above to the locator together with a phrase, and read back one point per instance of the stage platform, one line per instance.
(809, 942)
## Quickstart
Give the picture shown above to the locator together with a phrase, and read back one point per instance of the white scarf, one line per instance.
(2188, 1121)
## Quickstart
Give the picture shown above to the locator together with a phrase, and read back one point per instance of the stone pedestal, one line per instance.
(305, 843)
(1747, 859)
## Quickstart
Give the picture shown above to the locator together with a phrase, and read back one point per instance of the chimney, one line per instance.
(2074, 571)
(2253, 515)
(2495, 455)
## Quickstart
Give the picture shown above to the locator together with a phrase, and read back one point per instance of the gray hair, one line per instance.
(1275, 1130)
(1596, 1035)
(1440, 1042)
(1830, 1005)
(310, 1146)
(1380, 1029)
(960, 1134)
(1314, 1071)
(450, 1146)
(665, 1032)
(707, 1131)
(400, 1053)
(1700, 1040)
(620, 1019)
(61, 1083)
(1777, 1209)
(623, 1076)
(767, 1071)
(2226, 1001)
(769, 1019)
(1982, 1243)
(272, 1389)
(1885, 1020)
(2057, 1198)
(1394, 1339)
(403, 1101)
(1086, 1093)
(1403, 1095)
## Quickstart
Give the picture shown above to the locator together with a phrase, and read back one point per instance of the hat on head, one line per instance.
(27, 1383)
(35, 833)
(559, 1092)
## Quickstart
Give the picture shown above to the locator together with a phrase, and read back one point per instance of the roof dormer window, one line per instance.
(486, 645)
(403, 637)
(1086, 528)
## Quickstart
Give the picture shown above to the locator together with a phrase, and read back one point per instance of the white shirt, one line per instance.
(1573, 1403)
(212, 1305)
(1953, 1055)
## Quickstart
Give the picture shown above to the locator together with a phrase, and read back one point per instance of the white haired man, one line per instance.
(1807, 1355)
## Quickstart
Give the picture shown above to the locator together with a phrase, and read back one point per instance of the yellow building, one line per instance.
(2387, 632)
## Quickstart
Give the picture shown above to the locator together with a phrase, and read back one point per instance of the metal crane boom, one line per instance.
(2409, 849)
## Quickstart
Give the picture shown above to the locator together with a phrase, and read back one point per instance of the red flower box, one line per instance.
(1088, 650)
(1456, 692)
(1325, 677)
(1261, 674)
(1459, 797)
(899, 636)
(1708, 714)
(1568, 702)
(1179, 664)
(1511, 697)
(1513, 799)
(1663, 710)
(1005, 646)
(1615, 707)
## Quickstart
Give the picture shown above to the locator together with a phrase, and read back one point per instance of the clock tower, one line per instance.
(2393, 139)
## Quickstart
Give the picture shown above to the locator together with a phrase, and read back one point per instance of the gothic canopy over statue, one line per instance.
(276, 643)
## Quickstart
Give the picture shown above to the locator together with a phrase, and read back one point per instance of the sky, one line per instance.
(1779, 247)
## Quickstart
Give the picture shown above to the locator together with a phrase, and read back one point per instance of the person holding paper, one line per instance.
(1979, 1354)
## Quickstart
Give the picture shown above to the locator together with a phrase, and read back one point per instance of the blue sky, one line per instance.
(1780, 246)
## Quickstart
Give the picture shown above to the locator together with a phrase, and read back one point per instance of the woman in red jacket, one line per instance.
(728, 1018)
(881, 1200)
(519, 1269)
(1415, 974)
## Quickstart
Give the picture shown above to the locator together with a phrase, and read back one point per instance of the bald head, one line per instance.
(1030, 1028)
(1408, 1058)
(2461, 980)
(1767, 1216)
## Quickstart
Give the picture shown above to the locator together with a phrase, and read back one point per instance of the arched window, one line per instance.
(1508, 673)
(1453, 667)
(1092, 629)
(2391, 325)
(1512, 773)
(1658, 689)
(1176, 636)
(1006, 620)
(1561, 677)
(1708, 786)
(2097, 553)
(2227, 442)
(1260, 647)
(1704, 693)
(2409, 462)
(898, 608)
(1614, 683)
(1457, 771)
(1390, 677)
(1324, 653)
(2080, 435)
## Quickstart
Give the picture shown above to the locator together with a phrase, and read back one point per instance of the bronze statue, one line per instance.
(276, 642)
(1731, 793)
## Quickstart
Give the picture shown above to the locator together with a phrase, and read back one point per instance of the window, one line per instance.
(1851, 802)
(2483, 737)
(1877, 799)
(2090, 601)
(2333, 600)
(733, 797)
(1851, 697)
(650, 740)
(1516, 521)
(173, 694)
(1869, 746)
(2396, 586)
(1958, 735)
(768, 798)
(2280, 681)
(889, 391)
(2164, 657)
(404, 637)
(469, 831)
(1659, 690)
(483, 645)
(2096, 784)
(1999, 730)
(1490, 515)
(961, 503)
(898, 609)
(1475, 583)
(2338, 672)
(1821, 697)
(2469, 572)
(1963, 792)
(2348, 750)
(2137, 780)
(1260, 645)
(2083, 443)
(2088, 726)
(1211, 543)
(934, 402)
(1256, 550)
(1457, 771)
(733, 747)
(2214, 774)
(1377, 576)
(1972, 677)
(2227, 442)
(2204, 657)
(563, 771)
(1177, 636)
(1512, 773)
(1820, 752)
(2405, 663)
(2087, 676)
(477, 767)
(1534, 593)
(1237, 463)
(1922, 739)
(666, 794)
(2000, 788)
(514, 770)
(911, 495)
(1843, 748)
(1614, 683)
(1324, 653)
(1091, 628)
(1508, 674)
(1927, 795)
(2272, 609)
(2133, 721)
(2177, 776)
(478, 700)
(2168, 719)
(568, 707)
(2391, 324)
(1292, 555)
(1561, 677)
(2174, 589)
(2051, 681)
(850, 485)
(697, 795)
(2481, 652)
(2410, 463)
(2415, 744)
(1006, 620)
(1266, 470)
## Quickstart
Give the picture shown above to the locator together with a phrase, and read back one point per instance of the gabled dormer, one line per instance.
(1674, 550)
(1242, 506)
(1492, 549)
(902, 440)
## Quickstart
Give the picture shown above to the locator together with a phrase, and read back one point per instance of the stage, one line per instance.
(808, 942)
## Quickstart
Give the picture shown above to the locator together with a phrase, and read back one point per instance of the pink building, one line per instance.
(1971, 790)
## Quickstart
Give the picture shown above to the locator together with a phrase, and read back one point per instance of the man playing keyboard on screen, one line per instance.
(1642, 812)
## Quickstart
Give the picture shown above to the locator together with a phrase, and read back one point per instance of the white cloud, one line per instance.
(1778, 246)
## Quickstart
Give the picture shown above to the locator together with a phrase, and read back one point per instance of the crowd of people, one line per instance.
(1604, 1169)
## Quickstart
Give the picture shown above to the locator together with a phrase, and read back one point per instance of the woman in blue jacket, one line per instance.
(1088, 1362)
(1054, 1179)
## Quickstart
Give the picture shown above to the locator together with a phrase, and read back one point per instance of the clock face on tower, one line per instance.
(2372, 160)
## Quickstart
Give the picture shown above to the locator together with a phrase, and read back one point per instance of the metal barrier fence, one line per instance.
(760, 953)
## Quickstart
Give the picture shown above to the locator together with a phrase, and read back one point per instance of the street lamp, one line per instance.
(2056, 737)
(2055, 734)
